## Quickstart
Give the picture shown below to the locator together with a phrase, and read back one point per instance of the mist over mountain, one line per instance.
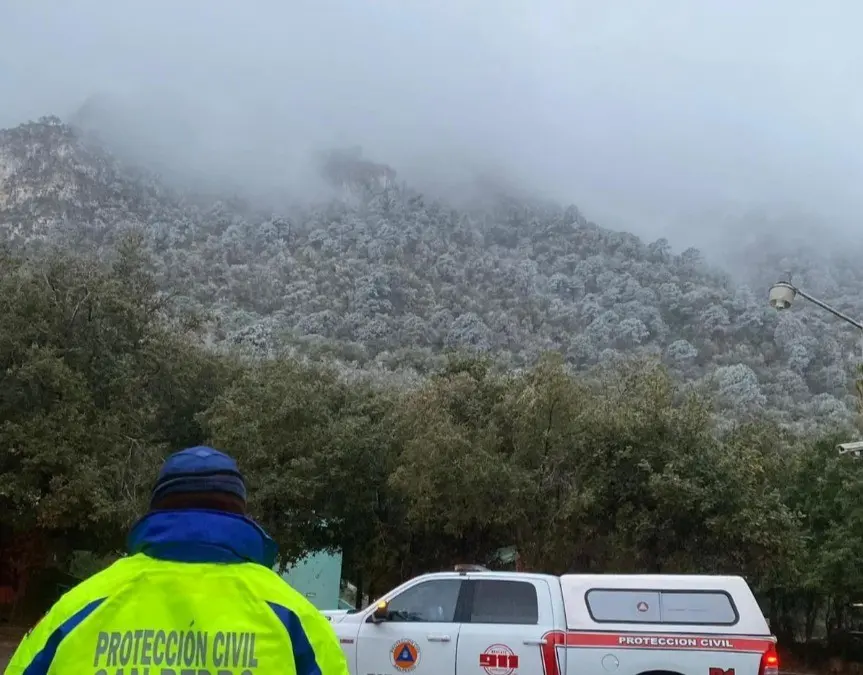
(648, 116)
(385, 279)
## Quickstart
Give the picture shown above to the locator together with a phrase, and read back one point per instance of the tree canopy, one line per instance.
(387, 279)
(419, 385)
(623, 467)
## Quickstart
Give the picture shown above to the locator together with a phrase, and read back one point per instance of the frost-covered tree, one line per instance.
(681, 352)
(386, 271)
(738, 386)
(469, 331)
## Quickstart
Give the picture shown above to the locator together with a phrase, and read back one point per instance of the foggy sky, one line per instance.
(644, 112)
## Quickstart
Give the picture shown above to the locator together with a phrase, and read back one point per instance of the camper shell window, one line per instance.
(681, 607)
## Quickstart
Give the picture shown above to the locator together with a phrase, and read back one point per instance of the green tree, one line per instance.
(94, 389)
(826, 491)
(315, 452)
(453, 473)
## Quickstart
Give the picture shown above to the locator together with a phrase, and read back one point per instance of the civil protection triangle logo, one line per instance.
(405, 655)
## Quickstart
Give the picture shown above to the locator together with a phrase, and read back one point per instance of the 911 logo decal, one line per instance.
(498, 659)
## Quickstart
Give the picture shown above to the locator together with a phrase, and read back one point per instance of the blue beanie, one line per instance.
(199, 469)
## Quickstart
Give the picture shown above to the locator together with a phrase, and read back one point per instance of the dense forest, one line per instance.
(384, 280)
(620, 467)
(415, 385)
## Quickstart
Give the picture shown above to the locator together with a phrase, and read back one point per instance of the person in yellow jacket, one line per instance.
(197, 594)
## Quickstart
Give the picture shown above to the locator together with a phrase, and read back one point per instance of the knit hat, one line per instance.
(196, 470)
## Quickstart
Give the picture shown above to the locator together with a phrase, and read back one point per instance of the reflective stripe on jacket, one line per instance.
(196, 596)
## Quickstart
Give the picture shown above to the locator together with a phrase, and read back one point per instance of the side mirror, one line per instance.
(382, 612)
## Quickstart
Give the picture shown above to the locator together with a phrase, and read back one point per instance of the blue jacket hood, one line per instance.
(202, 536)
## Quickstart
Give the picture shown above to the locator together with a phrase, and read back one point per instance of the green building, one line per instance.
(318, 576)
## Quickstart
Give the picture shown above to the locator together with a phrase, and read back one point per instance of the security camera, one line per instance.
(854, 448)
(782, 295)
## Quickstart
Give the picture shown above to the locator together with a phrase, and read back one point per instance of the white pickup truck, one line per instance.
(511, 623)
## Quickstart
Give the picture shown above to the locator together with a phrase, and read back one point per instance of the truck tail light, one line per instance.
(769, 662)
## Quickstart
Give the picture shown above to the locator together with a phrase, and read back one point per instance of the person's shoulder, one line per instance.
(313, 640)
(101, 585)
(80, 600)
(276, 591)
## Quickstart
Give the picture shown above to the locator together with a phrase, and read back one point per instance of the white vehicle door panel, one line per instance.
(421, 635)
(503, 633)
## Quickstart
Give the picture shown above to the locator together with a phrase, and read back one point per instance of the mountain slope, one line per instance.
(49, 176)
(388, 276)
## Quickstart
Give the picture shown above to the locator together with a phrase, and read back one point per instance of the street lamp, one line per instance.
(854, 448)
(782, 294)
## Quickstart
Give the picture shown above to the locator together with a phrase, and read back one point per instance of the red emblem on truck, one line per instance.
(499, 659)
(721, 671)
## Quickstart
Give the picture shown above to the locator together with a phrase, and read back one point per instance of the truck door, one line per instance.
(505, 620)
(420, 634)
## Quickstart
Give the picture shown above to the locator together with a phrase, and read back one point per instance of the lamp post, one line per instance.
(855, 448)
(782, 294)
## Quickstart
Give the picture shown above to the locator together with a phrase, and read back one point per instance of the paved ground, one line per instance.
(8, 640)
(6, 652)
(6, 649)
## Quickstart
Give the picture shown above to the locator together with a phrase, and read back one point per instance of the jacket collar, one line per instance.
(201, 535)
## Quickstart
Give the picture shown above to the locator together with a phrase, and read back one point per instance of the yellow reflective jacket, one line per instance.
(196, 596)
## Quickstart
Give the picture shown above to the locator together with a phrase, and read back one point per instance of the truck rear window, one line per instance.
(506, 602)
(704, 608)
